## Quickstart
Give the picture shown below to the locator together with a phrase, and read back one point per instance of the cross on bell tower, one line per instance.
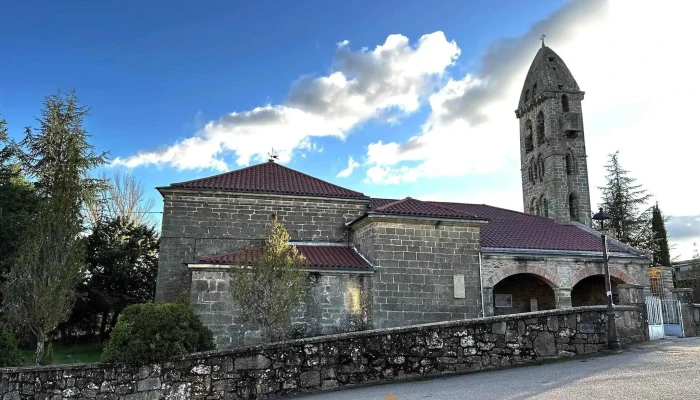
(553, 163)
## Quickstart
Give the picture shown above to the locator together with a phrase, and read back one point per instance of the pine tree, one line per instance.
(268, 293)
(661, 254)
(40, 288)
(622, 200)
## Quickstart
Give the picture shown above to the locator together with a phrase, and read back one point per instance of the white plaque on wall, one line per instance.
(459, 286)
(503, 300)
(533, 304)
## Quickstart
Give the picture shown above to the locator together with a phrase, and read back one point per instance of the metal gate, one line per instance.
(655, 317)
(672, 319)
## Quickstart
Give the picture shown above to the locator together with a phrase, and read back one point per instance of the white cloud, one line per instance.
(633, 60)
(384, 84)
(352, 164)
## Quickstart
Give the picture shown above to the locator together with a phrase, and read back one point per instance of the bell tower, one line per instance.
(552, 144)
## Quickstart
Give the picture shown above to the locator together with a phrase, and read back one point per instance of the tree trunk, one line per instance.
(103, 327)
(40, 342)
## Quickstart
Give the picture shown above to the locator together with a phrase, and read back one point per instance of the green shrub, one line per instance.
(153, 332)
(9, 354)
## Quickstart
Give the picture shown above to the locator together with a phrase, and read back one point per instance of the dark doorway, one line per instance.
(591, 291)
(525, 291)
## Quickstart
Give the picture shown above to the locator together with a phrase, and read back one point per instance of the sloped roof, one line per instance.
(271, 177)
(316, 256)
(549, 73)
(413, 207)
(516, 230)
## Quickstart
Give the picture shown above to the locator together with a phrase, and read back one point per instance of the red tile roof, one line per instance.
(413, 207)
(318, 256)
(512, 229)
(271, 177)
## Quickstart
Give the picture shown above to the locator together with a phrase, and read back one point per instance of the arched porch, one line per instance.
(590, 291)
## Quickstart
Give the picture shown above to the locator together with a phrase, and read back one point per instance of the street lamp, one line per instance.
(613, 340)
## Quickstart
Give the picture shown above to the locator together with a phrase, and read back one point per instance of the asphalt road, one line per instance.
(663, 369)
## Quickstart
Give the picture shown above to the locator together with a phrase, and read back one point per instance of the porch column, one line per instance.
(562, 297)
(635, 295)
(488, 301)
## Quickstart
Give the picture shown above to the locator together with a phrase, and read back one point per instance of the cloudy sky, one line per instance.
(391, 99)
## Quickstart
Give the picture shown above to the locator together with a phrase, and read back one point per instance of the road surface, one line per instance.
(663, 369)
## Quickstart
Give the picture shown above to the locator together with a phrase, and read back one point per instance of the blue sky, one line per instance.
(156, 73)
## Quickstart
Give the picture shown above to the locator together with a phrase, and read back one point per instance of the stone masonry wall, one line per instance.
(335, 302)
(331, 362)
(557, 184)
(206, 222)
(415, 262)
(562, 273)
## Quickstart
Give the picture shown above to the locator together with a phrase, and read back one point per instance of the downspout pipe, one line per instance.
(481, 286)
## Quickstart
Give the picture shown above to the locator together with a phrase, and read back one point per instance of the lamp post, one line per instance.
(613, 340)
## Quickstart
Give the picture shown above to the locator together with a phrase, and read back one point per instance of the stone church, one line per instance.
(376, 262)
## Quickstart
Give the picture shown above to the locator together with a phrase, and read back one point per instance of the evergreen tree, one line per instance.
(122, 263)
(270, 290)
(661, 254)
(18, 203)
(622, 200)
(40, 289)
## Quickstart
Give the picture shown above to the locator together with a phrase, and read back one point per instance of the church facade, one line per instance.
(376, 262)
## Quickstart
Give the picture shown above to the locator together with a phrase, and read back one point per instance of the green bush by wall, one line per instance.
(152, 332)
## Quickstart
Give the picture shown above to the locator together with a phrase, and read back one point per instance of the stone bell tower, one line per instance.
(552, 144)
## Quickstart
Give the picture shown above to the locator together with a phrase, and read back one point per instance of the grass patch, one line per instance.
(77, 354)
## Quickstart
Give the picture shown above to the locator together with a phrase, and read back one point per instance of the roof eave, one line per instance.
(563, 253)
(363, 199)
(372, 214)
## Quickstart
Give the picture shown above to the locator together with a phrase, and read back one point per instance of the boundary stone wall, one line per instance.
(336, 361)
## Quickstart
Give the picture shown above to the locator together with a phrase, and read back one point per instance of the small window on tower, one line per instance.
(573, 207)
(569, 163)
(551, 59)
(528, 136)
(527, 95)
(545, 206)
(540, 165)
(564, 103)
(534, 90)
(540, 128)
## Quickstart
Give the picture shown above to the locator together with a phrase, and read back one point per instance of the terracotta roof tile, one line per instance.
(512, 229)
(270, 177)
(317, 256)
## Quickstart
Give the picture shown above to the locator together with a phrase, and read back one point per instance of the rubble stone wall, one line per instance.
(336, 361)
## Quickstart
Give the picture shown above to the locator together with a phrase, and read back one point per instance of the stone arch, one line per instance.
(534, 207)
(550, 277)
(590, 270)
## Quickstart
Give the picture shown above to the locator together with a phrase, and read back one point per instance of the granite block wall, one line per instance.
(337, 361)
(335, 302)
(415, 263)
(200, 222)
